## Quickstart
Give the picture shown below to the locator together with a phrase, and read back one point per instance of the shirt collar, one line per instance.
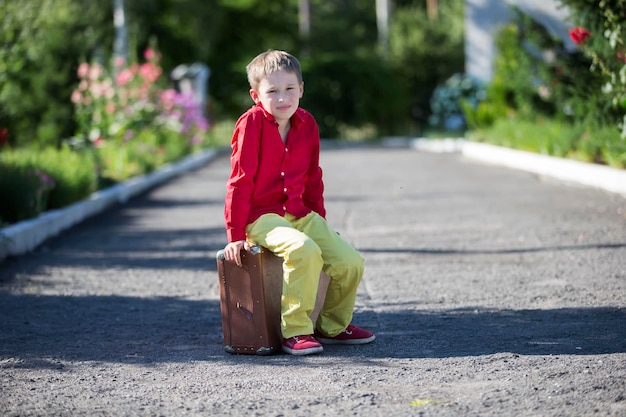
(296, 119)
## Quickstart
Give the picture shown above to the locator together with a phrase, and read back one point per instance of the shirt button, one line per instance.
(285, 189)
(284, 208)
(282, 174)
(286, 150)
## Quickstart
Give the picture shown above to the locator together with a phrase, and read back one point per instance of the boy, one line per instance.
(275, 199)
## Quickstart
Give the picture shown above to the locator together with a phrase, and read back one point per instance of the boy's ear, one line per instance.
(254, 95)
(301, 89)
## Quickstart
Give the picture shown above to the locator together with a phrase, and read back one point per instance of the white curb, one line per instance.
(587, 174)
(25, 236)
(438, 145)
(592, 175)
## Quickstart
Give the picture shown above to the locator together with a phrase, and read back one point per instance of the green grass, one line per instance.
(221, 133)
(600, 145)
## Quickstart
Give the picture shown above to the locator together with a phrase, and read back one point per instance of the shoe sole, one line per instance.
(302, 352)
(346, 341)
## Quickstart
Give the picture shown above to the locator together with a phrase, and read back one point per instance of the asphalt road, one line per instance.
(492, 293)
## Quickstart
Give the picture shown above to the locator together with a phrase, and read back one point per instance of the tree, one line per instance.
(426, 52)
(383, 9)
(41, 42)
(432, 9)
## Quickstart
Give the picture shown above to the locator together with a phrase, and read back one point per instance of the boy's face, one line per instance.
(280, 94)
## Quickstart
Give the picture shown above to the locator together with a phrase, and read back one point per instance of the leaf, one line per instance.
(424, 401)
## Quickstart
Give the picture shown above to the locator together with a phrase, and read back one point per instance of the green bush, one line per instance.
(73, 174)
(544, 136)
(536, 76)
(33, 181)
(545, 99)
(603, 24)
(24, 191)
(147, 151)
(354, 91)
(599, 144)
(449, 98)
(131, 122)
(424, 52)
(119, 163)
(41, 42)
(221, 132)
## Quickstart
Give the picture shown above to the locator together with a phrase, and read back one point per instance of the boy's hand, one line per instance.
(232, 251)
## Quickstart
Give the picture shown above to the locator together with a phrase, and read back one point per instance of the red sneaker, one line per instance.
(352, 335)
(302, 345)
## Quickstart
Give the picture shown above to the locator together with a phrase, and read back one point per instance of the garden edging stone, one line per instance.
(25, 236)
(567, 170)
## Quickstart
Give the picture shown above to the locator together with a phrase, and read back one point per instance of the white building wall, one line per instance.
(483, 18)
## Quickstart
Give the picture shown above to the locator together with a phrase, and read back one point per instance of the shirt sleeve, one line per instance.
(244, 162)
(314, 190)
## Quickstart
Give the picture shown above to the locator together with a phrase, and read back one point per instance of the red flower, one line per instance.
(579, 35)
(4, 136)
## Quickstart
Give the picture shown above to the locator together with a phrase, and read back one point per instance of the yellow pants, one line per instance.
(307, 246)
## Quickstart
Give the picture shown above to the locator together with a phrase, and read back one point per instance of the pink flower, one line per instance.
(150, 72)
(96, 90)
(168, 98)
(145, 70)
(124, 77)
(83, 70)
(77, 97)
(107, 90)
(95, 71)
(119, 61)
(149, 54)
(579, 35)
(110, 108)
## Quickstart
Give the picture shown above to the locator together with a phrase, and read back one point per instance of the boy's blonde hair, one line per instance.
(269, 62)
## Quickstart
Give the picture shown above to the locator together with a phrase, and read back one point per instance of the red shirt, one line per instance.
(270, 176)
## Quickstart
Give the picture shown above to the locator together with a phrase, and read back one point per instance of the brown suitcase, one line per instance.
(250, 302)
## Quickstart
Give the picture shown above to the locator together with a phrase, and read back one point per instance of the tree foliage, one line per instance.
(41, 42)
(425, 51)
(346, 79)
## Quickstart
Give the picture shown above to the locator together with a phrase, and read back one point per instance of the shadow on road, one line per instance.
(120, 239)
(479, 331)
(38, 331)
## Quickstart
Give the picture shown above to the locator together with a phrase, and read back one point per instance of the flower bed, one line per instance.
(129, 124)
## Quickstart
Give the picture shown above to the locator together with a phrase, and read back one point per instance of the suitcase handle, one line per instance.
(254, 250)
